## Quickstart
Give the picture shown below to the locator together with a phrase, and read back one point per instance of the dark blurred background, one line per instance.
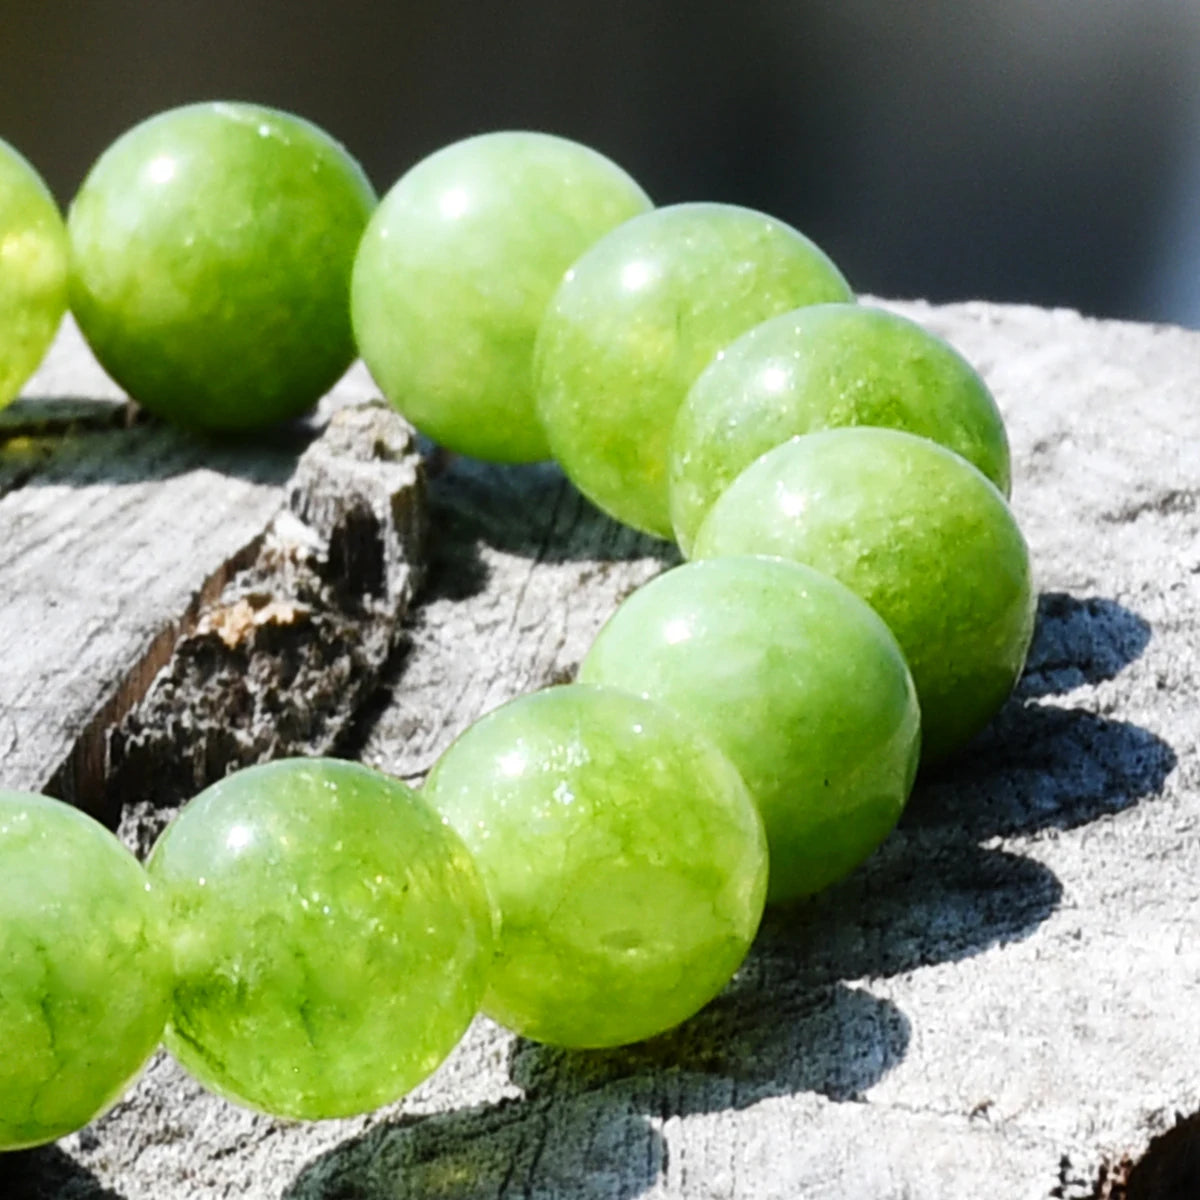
(1027, 150)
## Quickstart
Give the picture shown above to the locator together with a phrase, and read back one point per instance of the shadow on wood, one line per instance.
(578, 1150)
(587, 1116)
(533, 510)
(48, 1173)
(1040, 766)
(151, 452)
(836, 1041)
(1079, 641)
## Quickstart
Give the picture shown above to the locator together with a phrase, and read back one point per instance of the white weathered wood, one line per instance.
(1001, 1000)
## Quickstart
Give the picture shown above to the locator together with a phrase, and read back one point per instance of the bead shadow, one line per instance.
(587, 1114)
(580, 1149)
(82, 455)
(918, 901)
(47, 416)
(834, 1040)
(49, 1173)
(1042, 766)
(1080, 640)
(33, 430)
(789, 1021)
(932, 893)
(531, 510)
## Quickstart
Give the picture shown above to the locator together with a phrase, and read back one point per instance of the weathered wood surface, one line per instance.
(1000, 1003)
(122, 541)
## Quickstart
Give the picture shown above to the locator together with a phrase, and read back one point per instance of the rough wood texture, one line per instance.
(1000, 1003)
(118, 536)
(284, 658)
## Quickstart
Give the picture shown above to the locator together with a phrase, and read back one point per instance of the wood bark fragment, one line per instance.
(280, 661)
(117, 537)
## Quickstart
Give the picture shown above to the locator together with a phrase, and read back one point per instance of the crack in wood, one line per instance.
(280, 661)
(81, 777)
(278, 647)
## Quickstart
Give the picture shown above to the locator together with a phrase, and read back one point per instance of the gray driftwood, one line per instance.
(1001, 1003)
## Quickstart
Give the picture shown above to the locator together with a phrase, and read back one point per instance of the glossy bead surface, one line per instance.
(211, 249)
(920, 535)
(822, 367)
(799, 683)
(622, 852)
(637, 319)
(84, 970)
(33, 271)
(454, 273)
(330, 934)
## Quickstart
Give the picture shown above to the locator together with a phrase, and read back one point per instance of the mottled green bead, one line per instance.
(637, 319)
(917, 532)
(822, 367)
(211, 250)
(455, 270)
(33, 271)
(331, 937)
(623, 853)
(85, 978)
(798, 681)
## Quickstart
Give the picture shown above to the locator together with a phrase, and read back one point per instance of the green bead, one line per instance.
(85, 978)
(798, 682)
(331, 937)
(918, 533)
(454, 273)
(637, 319)
(622, 852)
(33, 271)
(821, 367)
(211, 250)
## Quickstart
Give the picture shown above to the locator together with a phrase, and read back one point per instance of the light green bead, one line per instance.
(331, 937)
(84, 969)
(920, 535)
(33, 271)
(622, 852)
(454, 273)
(822, 367)
(637, 319)
(211, 250)
(798, 681)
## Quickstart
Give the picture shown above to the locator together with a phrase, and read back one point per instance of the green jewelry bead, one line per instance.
(331, 937)
(920, 535)
(454, 273)
(636, 320)
(622, 852)
(33, 271)
(211, 250)
(822, 367)
(85, 975)
(800, 684)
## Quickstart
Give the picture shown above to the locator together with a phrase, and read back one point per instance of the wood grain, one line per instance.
(116, 534)
(998, 1004)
